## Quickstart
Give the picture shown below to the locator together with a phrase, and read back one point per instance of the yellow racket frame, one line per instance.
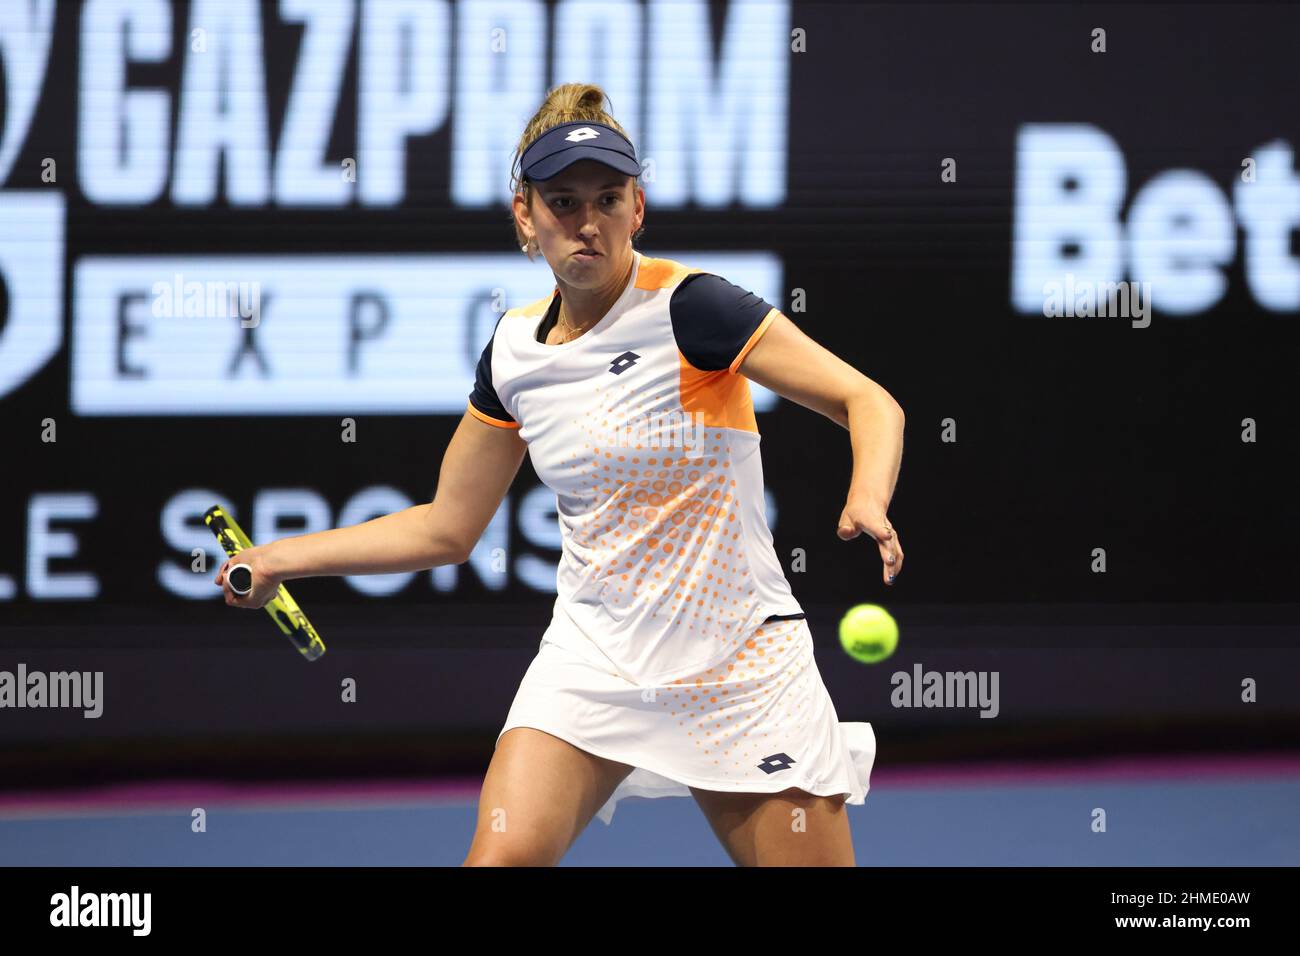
(283, 609)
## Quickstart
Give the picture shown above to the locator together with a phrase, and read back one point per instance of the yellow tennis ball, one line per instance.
(868, 633)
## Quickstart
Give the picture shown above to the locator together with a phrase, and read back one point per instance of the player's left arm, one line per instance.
(788, 362)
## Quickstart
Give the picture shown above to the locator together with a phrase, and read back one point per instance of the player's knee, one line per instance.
(505, 853)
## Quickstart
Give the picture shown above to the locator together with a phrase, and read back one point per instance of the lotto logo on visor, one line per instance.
(560, 147)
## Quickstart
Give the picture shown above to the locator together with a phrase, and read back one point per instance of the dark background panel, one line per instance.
(1073, 433)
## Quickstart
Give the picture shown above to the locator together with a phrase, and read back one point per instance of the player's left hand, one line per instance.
(859, 517)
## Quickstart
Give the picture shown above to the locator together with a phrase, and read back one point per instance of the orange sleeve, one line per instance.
(753, 339)
(489, 419)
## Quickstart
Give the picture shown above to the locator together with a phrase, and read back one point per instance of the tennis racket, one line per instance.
(283, 609)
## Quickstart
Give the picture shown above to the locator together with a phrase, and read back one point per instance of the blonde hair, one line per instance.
(568, 103)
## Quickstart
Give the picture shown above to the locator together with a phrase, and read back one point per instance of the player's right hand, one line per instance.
(265, 585)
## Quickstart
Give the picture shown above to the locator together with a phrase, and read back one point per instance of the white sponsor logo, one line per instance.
(218, 129)
(1180, 234)
(26, 32)
(335, 334)
(31, 277)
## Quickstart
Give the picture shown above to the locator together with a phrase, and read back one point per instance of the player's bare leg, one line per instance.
(790, 828)
(540, 792)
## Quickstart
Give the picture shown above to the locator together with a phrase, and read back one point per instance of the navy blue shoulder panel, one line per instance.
(713, 319)
(484, 396)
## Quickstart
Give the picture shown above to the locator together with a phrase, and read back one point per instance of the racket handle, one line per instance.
(240, 577)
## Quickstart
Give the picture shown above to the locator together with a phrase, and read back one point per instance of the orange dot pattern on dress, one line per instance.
(665, 523)
(666, 558)
(725, 708)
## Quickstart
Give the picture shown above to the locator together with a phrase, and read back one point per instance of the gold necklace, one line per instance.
(559, 318)
(560, 321)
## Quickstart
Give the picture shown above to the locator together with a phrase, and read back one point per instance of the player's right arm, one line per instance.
(477, 469)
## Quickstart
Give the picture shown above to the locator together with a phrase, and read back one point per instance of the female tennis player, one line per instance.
(677, 661)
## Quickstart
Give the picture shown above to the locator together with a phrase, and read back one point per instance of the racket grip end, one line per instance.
(240, 577)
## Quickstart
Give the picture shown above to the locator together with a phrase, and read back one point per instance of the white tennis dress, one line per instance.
(663, 652)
